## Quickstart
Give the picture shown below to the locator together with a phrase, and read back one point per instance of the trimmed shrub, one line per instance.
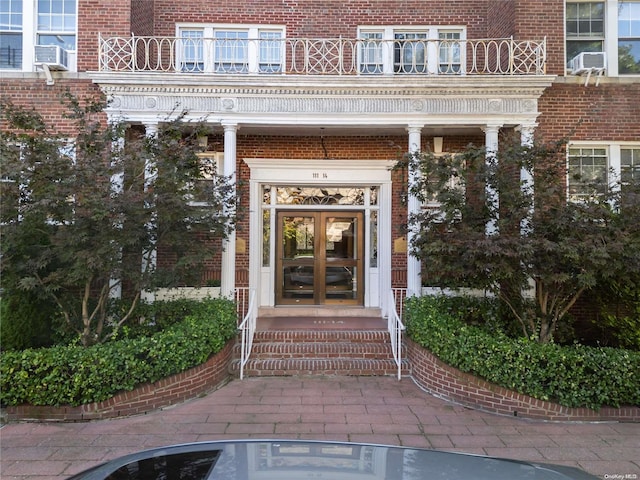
(74, 375)
(26, 321)
(573, 376)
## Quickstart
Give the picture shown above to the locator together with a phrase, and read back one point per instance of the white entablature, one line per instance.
(349, 101)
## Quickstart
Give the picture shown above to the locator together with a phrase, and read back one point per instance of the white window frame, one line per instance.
(611, 35)
(634, 166)
(619, 37)
(383, 49)
(576, 196)
(216, 159)
(13, 29)
(454, 182)
(30, 34)
(613, 167)
(254, 51)
(63, 29)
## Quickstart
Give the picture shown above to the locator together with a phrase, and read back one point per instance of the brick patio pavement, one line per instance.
(360, 409)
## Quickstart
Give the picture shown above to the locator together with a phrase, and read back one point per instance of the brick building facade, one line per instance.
(310, 102)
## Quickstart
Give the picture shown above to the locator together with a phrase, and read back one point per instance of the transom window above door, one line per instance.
(230, 48)
(324, 195)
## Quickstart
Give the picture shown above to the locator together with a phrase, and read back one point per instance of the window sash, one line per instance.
(585, 19)
(270, 51)
(449, 55)
(56, 23)
(416, 50)
(10, 50)
(230, 50)
(410, 52)
(371, 52)
(587, 171)
(629, 38)
(629, 166)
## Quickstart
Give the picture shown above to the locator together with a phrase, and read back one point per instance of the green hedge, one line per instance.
(73, 375)
(573, 376)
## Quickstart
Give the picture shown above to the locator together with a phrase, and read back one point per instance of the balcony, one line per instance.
(329, 57)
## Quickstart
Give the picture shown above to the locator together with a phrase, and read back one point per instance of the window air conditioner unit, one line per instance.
(53, 56)
(587, 62)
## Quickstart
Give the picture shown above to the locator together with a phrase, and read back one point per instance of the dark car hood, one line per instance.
(294, 460)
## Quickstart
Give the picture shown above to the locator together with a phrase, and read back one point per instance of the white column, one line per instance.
(149, 258)
(414, 284)
(491, 143)
(526, 179)
(117, 187)
(228, 273)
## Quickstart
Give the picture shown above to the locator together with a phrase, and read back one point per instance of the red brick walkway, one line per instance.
(359, 409)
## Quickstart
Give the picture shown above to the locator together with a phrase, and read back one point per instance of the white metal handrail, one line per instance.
(326, 56)
(395, 325)
(247, 327)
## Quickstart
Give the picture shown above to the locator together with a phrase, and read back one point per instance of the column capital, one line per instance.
(526, 132)
(229, 125)
(492, 127)
(415, 128)
(151, 129)
(526, 126)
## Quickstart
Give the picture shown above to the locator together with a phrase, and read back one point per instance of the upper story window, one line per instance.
(629, 37)
(410, 50)
(57, 23)
(25, 24)
(609, 30)
(11, 34)
(585, 28)
(231, 49)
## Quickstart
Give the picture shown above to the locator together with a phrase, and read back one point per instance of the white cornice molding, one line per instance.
(322, 85)
(352, 101)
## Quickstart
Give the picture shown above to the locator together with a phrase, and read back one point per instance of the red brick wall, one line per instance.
(313, 18)
(450, 383)
(98, 16)
(536, 21)
(500, 18)
(606, 112)
(34, 93)
(142, 17)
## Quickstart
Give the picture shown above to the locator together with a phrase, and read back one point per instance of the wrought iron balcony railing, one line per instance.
(337, 56)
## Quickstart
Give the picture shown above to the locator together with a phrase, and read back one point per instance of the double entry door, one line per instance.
(319, 258)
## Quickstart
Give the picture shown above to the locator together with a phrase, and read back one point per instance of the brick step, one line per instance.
(264, 350)
(319, 352)
(322, 336)
(257, 367)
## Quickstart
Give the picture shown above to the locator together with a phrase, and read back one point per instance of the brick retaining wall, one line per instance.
(452, 384)
(145, 398)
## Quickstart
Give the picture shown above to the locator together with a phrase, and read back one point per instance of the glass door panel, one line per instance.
(341, 257)
(319, 259)
(297, 258)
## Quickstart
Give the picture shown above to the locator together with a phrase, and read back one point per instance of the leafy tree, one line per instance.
(84, 216)
(540, 252)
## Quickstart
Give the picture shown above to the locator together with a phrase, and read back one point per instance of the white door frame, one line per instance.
(365, 173)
